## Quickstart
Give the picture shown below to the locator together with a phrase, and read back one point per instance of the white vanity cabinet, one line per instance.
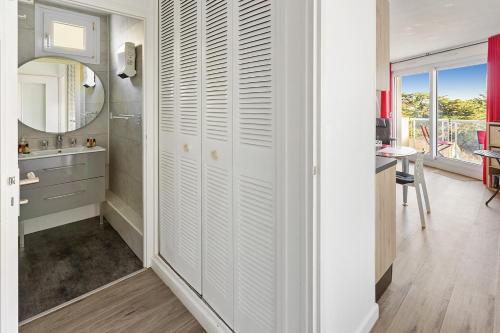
(67, 181)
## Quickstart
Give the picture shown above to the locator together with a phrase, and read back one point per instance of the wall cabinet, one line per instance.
(217, 182)
(383, 45)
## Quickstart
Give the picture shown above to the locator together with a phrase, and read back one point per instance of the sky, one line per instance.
(464, 83)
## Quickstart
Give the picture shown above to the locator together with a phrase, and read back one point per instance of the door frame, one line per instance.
(9, 193)
(8, 139)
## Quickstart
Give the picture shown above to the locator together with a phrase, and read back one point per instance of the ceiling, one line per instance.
(421, 26)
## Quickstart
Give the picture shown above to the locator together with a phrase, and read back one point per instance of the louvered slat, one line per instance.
(168, 226)
(167, 159)
(189, 75)
(255, 74)
(254, 170)
(217, 107)
(180, 138)
(218, 249)
(166, 77)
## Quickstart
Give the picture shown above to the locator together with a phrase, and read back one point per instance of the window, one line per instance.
(461, 111)
(415, 111)
(66, 33)
(441, 110)
(68, 36)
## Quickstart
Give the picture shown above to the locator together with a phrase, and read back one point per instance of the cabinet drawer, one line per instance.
(56, 198)
(63, 169)
(494, 136)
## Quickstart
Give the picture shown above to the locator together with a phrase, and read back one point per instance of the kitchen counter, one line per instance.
(383, 163)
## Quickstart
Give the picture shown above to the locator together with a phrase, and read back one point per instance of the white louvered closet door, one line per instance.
(218, 250)
(255, 155)
(180, 138)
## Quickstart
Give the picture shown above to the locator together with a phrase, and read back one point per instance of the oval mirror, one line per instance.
(58, 95)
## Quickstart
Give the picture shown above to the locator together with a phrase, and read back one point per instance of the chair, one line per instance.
(384, 131)
(417, 181)
(441, 144)
(481, 138)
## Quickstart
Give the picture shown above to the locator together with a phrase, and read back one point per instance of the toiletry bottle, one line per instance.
(26, 149)
(20, 147)
(93, 142)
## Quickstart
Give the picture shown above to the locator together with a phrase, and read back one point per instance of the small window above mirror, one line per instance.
(62, 32)
(68, 36)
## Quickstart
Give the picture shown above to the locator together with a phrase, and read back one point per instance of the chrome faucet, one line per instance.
(59, 141)
(44, 144)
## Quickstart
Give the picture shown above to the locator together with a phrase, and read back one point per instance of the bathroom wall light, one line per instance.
(126, 60)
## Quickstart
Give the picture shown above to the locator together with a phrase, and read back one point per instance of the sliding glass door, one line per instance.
(441, 110)
(461, 112)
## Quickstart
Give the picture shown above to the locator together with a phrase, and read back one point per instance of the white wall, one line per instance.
(8, 167)
(347, 181)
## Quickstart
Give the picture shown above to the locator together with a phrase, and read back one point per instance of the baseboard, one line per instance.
(60, 218)
(198, 308)
(125, 228)
(369, 321)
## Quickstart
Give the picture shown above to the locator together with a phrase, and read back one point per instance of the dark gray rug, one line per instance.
(65, 262)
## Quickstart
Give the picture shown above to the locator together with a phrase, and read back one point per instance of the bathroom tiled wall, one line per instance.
(97, 128)
(126, 97)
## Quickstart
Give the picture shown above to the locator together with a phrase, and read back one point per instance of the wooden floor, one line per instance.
(446, 277)
(142, 303)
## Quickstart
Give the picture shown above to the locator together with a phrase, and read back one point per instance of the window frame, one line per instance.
(45, 16)
(448, 60)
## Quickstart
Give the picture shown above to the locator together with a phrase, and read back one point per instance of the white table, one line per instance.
(402, 153)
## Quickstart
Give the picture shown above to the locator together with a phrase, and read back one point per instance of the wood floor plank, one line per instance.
(445, 278)
(142, 303)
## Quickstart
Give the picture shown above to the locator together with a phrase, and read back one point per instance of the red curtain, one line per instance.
(493, 89)
(386, 100)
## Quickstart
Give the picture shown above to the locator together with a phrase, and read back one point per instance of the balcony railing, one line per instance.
(461, 134)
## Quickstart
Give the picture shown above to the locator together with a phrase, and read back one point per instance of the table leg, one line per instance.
(494, 195)
(496, 192)
(406, 168)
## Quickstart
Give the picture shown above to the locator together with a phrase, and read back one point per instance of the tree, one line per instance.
(416, 105)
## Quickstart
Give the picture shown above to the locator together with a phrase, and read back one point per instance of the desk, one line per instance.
(402, 153)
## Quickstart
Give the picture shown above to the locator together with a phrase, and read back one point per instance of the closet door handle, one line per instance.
(215, 155)
(186, 147)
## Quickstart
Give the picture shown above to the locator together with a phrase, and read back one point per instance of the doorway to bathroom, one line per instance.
(80, 133)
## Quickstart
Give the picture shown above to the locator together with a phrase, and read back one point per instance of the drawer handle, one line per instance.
(63, 167)
(65, 195)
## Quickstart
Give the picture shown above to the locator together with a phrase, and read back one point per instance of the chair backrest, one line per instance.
(425, 132)
(419, 168)
(481, 137)
(383, 130)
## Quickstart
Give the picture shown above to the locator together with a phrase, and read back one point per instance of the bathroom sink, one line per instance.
(59, 152)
